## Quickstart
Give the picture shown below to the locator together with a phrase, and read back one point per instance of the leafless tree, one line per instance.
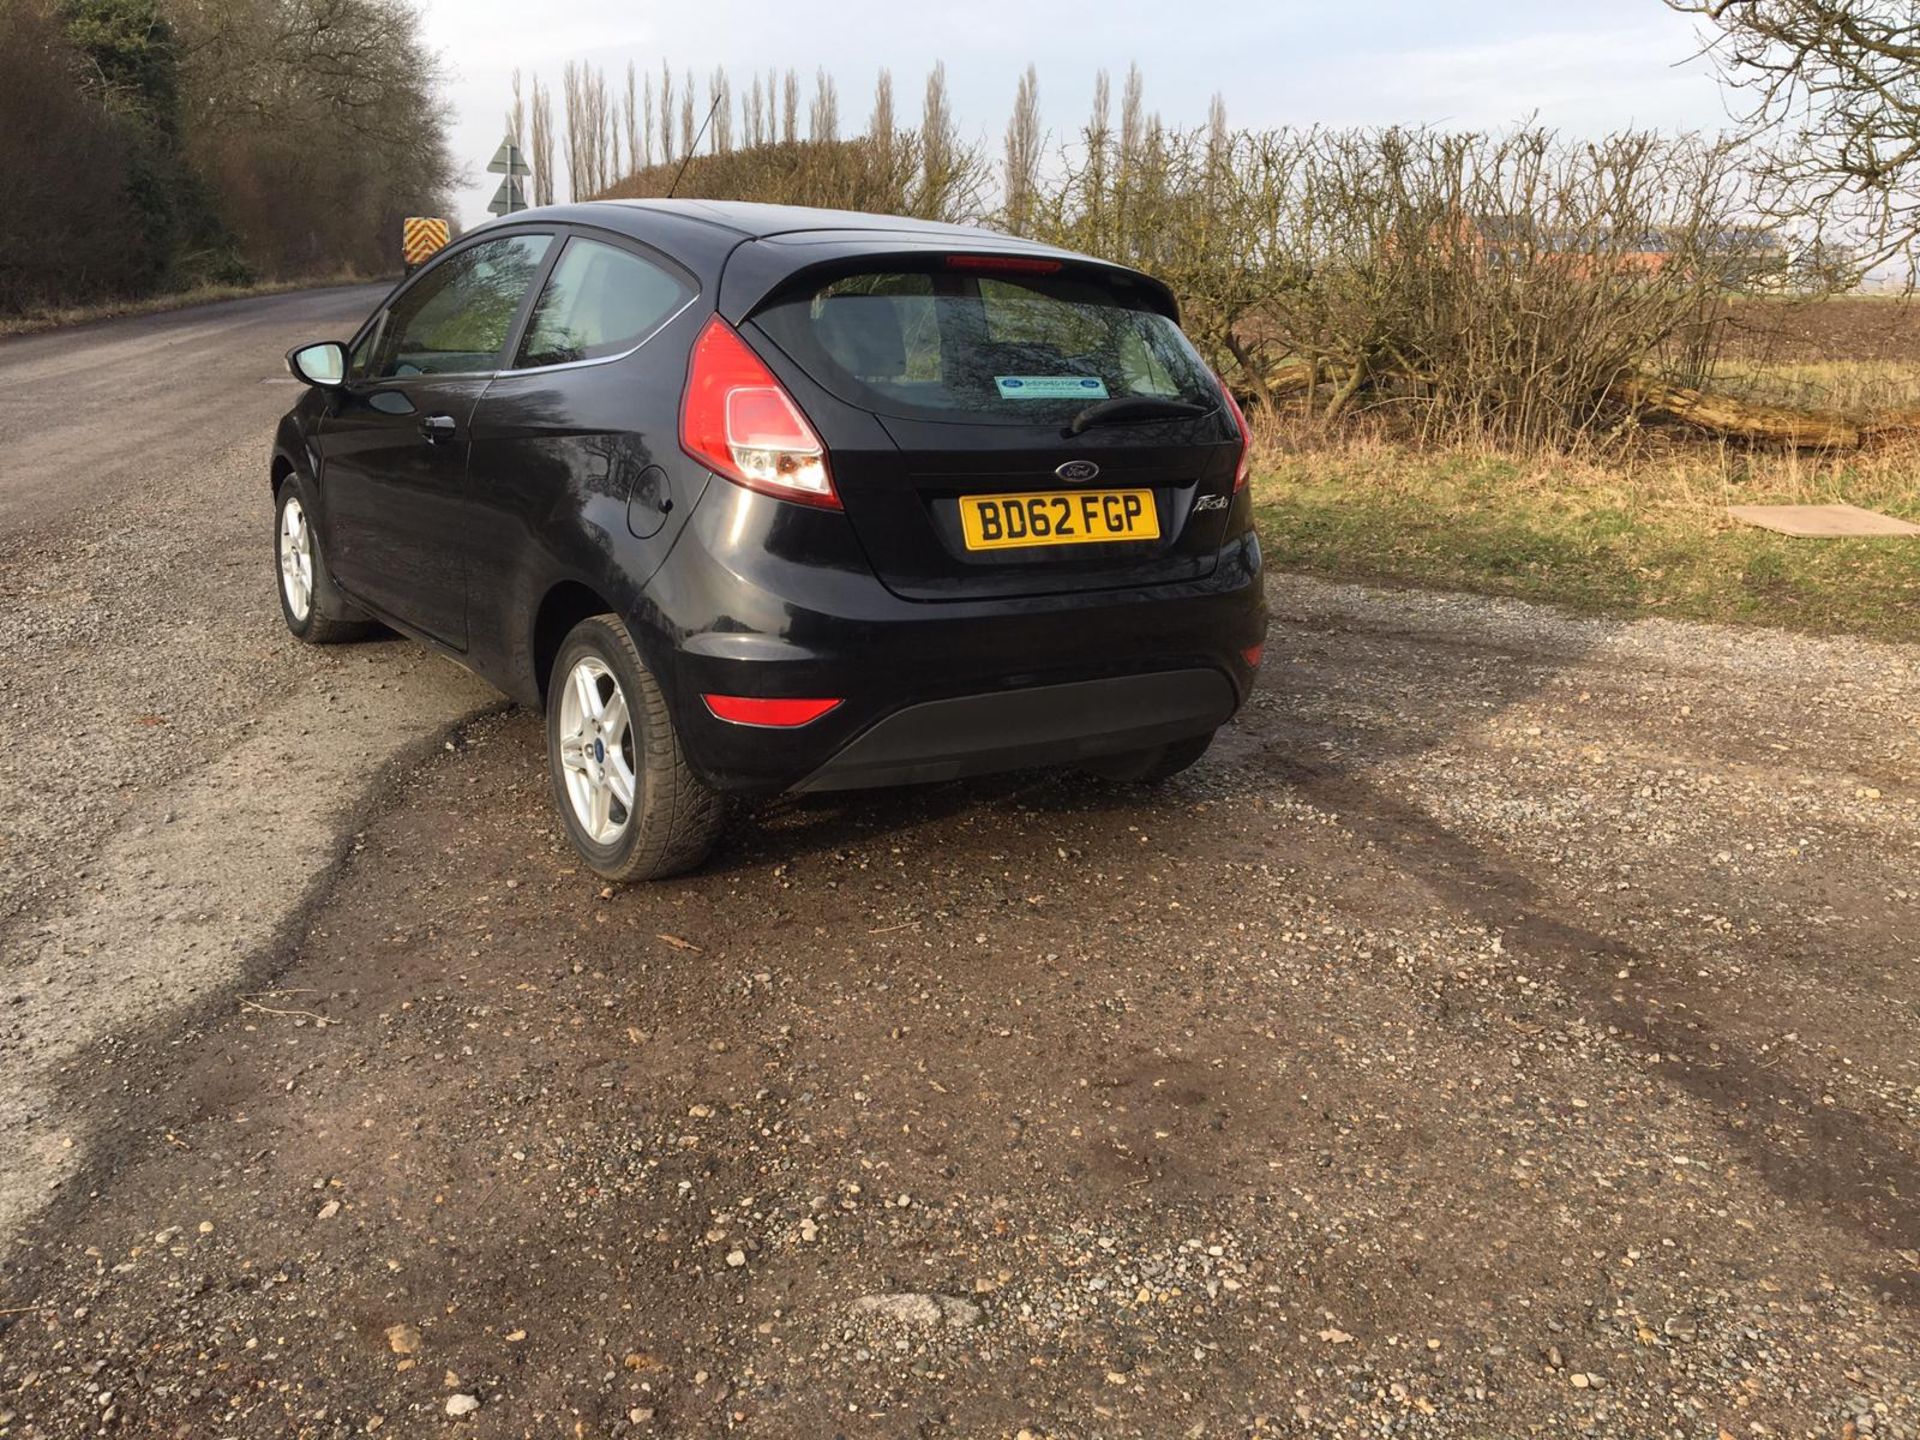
(1830, 93)
(637, 158)
(542, 143)
(1219, 143)
(756, 112)
(688, 124)
(571, 112)
(880, 125)
(1133, 118)
(790, 108)
(667, 152)
(883, 130)
(1098, 137)
(720, 106)
(646, 120)
(592, 130)
(1020, 171)
(823, 115)
(615, 134)
(937, 141)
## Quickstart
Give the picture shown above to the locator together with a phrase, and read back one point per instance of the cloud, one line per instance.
(1589, 80)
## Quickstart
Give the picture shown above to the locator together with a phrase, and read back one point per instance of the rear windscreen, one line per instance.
(977, 347)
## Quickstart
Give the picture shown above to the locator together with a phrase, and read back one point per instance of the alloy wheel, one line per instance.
(296, 559)
(596, 750)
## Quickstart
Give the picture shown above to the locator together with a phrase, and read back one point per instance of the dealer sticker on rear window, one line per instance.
(1051, 387)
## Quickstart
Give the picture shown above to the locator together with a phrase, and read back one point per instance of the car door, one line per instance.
(396, 444)
(567, 438)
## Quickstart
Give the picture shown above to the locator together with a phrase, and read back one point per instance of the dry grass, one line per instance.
(1645, 532)
(34, 322)
(1858, 388)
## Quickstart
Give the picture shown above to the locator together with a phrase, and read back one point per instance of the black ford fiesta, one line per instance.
(756, 499)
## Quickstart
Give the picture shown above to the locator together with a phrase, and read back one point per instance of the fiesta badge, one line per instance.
(1077, 470)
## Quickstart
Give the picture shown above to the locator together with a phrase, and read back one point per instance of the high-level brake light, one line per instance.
(1003, 264)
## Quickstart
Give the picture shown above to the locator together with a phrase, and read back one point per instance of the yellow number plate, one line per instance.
(1059, 517)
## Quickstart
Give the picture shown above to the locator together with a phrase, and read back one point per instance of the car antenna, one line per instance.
(687, 159)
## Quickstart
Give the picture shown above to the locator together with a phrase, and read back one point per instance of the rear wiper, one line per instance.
(1133, 407)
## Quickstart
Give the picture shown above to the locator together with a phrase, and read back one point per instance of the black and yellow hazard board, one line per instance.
(422, 238)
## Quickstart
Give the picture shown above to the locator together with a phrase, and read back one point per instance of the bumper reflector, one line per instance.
(774, 714)
(1252, 655)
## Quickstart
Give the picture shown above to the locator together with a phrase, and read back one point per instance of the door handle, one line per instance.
(438, 427)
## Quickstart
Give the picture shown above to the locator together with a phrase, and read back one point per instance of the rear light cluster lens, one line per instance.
(1245, 467)
(769, 714)
(739, 422)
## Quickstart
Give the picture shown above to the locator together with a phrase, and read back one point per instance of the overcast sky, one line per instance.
(1582, 67)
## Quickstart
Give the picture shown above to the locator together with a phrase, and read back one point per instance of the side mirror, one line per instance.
(323, 366)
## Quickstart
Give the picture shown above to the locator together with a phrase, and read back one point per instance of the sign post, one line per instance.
(509, 161)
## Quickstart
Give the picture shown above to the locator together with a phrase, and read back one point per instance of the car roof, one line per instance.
(751, 220)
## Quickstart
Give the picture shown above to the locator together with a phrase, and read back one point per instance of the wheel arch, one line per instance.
(564, 606)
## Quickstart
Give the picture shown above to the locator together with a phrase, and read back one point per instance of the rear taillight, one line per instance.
(739, 422)
(770, 714)
(1245, 467)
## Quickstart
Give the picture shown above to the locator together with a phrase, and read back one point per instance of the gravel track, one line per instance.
(1508, 1029)
(177, 775)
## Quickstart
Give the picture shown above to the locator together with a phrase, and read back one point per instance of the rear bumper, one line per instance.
(1041, 725)
(929, 690)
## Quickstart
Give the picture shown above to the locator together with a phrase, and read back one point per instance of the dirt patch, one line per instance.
(1506, 1030)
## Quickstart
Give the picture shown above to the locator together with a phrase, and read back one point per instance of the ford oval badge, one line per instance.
(1077, 470)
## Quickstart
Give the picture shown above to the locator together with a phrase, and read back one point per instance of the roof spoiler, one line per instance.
(758, 269)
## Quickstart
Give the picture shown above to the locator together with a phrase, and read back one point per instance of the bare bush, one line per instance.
(1497, 286)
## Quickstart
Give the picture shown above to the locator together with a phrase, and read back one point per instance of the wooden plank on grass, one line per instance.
(1821, 521)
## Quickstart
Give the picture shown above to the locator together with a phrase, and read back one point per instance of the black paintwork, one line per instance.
(484, 514)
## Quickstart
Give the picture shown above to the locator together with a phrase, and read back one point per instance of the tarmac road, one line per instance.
(98, 411)
(1508, 1029)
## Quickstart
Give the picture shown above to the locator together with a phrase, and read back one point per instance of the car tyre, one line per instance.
(1153, 764)
(631, 803)
(312, 605)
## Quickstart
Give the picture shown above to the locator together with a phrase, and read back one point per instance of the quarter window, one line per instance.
(455, 321)
(600, 301)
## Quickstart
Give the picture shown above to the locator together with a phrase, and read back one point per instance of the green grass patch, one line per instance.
(1653, 541)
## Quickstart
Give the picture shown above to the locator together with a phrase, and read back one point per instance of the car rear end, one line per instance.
(986, 509)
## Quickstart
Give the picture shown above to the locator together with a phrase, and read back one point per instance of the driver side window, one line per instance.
(455, 320)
